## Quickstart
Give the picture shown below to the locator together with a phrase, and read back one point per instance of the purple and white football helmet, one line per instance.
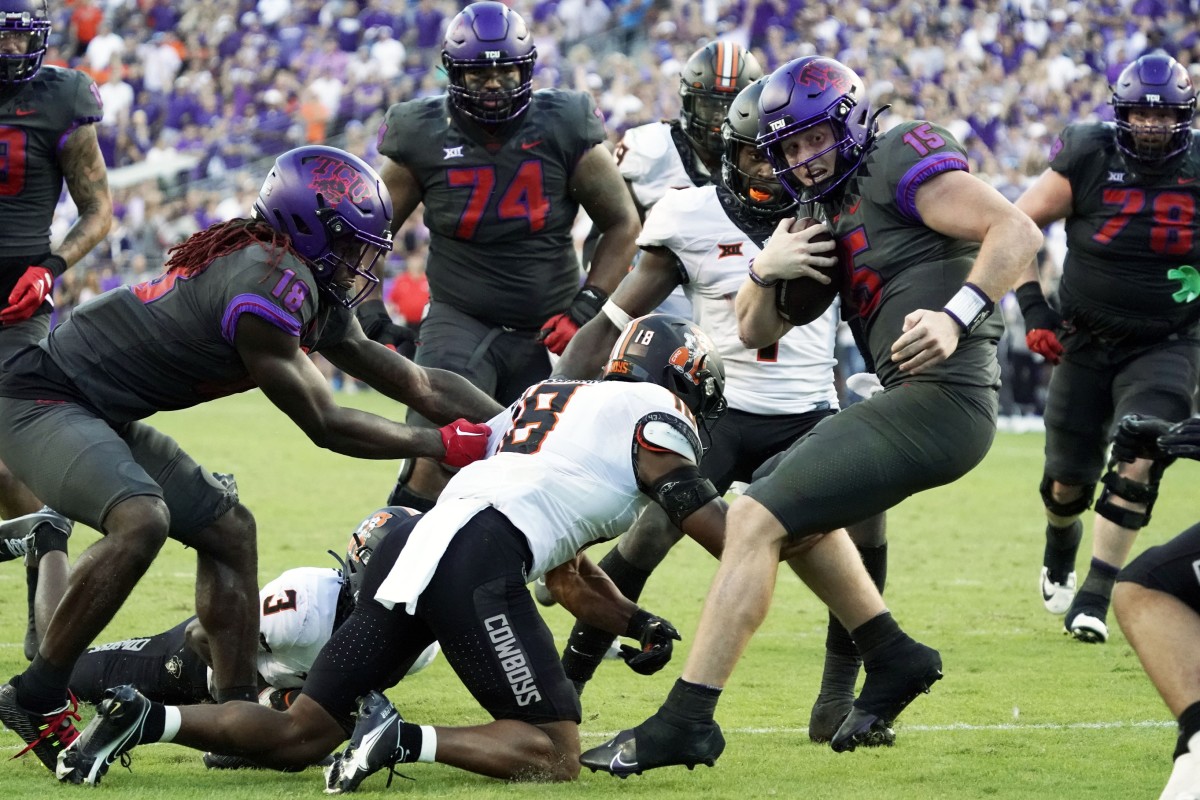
(1154, 81)
(337, 213)
(489, 34)
(31, 19)
(804, 93)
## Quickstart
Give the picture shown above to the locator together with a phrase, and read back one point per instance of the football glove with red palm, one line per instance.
(33, 288)
(1041, 322)
(559, 329)
(464, 442)
(657, 638)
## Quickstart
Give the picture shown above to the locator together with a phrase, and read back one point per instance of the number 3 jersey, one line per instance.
(562, 472)
(1128, 226)
(793, 376)
(169, 343)
(499, 212)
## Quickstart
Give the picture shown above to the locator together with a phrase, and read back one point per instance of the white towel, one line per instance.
(425, 547)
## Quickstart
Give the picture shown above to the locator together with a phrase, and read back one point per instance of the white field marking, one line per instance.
(954, 726)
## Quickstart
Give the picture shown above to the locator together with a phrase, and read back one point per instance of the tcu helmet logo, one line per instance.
(492, 55)
(338, 181)
(819, 76)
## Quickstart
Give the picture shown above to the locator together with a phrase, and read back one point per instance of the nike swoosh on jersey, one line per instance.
(25, 112)
(530, 145)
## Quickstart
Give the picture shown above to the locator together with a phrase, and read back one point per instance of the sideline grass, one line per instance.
(1023, 712)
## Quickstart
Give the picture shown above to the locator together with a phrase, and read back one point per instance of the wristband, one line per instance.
(616, 315)
(56, 264)
(759, 280)
(969, 308)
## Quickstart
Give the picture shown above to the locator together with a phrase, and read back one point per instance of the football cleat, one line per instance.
(911, 670)
(828, 714)
(1087, 625)
(653, 744)
(45, 734)
(17, 534)
(1057, 597)
(374, 744)
(111, 735)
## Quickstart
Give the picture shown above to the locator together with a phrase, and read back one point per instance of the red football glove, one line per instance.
(28, 295)
(1045, 343)
(464, 442)
(559, 329)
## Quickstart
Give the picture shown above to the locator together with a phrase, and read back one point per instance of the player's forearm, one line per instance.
(587, 353)
(591, 597)
(360, 434)
(88, 231)
(614, 253)
(1006, 255)
(759, 324)
(450, 396)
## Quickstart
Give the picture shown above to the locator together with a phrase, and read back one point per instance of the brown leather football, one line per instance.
(802, 300)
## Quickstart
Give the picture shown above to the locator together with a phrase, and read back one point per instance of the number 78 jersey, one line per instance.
(563, 469)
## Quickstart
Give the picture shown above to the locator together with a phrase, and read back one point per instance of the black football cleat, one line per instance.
(112, 733)
(905, 673)
(45, 735)
(653, 744)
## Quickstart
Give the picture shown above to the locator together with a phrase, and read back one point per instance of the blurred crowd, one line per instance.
(196, 93)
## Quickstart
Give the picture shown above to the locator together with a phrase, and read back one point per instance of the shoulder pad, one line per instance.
(662, 432)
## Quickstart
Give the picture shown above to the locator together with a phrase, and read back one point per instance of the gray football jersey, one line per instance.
(169, 343)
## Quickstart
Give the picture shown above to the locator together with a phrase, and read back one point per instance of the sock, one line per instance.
(628, 578)
(690, 704)
(48, 538)
(416, 743)
(403, 496)
(875, 635)
(875, 560)
(43, 686)
(1099, 582)
(1061, 545)
(1189, 726)
(841, 662)
(154, 727)
(249, 693)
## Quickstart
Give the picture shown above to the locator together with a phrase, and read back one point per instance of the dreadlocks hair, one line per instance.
(193, 255)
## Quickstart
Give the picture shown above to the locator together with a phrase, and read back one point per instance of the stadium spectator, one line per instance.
(53, 113)
(251, 293)
(929, 329)
(503, 274)
(1126, 339)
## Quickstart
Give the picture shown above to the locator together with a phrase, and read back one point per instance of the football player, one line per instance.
(241, 305)
(49, 116)
(1126, 337)
(561, 477)
(704, 239)
(502, 171)
(1157, 599)
(929, 248)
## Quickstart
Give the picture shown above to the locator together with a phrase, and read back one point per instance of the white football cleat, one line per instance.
(1057, 597)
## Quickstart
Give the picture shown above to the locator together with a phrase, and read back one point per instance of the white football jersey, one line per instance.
(648, 158)
(296, 613)
(792, 377)
(562, 473)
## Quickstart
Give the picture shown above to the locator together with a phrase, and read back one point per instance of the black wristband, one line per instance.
(56, 264)
(760, 281)
(587, 304)
(1035, 309)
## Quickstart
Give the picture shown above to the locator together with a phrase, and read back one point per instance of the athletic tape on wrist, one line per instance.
(616, 314)
(969, 307)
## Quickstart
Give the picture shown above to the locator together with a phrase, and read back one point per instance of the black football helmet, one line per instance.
(365, 540)
(806, 92)
(29, 19)
(489, 34)
(674, 353)
(1154, 81)
(711, 78)
(761, 198)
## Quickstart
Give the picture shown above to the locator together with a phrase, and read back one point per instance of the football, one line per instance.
(802, 300)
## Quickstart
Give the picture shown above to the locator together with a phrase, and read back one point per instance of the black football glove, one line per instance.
(1138, 437)
(1182, 440)
(559, 329)
(377, 324)
(657, 637)
(1041, 322)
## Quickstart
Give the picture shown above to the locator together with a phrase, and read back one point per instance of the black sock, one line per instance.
(875, 635)
(1061, 546)
(249, 693)
(690, 704)
(155, 722)
(43, 686)
(48, 538)
(628, 578)
(410, 741)
(403, 496)
(875, 560)
(1189, 726)
(841, 661)
(1100, 579)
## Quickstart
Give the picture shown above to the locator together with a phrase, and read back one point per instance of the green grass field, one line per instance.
(1023, 711)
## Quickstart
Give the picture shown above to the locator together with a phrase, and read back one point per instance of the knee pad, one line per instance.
(1071, 508)
(1131, 491)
